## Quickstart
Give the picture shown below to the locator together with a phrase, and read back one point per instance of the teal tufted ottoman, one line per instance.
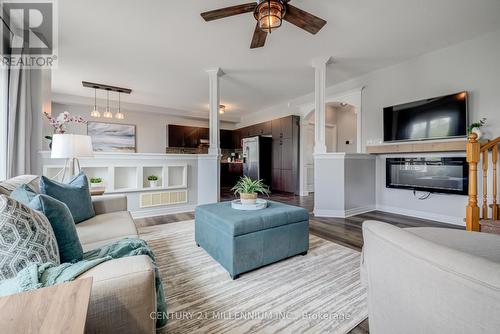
(245, 240)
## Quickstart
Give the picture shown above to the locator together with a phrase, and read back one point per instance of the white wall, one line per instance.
(345, 121)
(472, 65)
(151, 128)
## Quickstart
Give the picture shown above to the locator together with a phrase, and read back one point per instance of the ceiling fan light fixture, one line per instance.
(222, 109)
(269, 14)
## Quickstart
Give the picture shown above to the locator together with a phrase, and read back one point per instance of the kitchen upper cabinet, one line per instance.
(237, 144)
(283, 127)
(226, 139)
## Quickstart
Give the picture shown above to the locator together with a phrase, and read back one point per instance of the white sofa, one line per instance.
(123, 296)
(123, 290)
(431, 280)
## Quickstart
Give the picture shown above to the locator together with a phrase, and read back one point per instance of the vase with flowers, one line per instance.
(60, 122)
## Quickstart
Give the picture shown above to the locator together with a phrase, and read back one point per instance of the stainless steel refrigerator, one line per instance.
(257, 156)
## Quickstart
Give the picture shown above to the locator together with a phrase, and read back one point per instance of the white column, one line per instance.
(209, 165)
(214, 102)
(319, 65)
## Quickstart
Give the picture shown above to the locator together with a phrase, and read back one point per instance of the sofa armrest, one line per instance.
(109, 203)
(123, 296)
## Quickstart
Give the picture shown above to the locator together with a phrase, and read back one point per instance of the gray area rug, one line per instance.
(317, 293)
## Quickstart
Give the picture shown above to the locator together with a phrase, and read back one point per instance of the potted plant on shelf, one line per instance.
(96, 182)
(153, 181)
(476, 128)
(249, 189)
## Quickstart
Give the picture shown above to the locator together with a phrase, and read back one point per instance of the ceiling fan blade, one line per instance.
(303, 19)
(229, 11)
(259, 38)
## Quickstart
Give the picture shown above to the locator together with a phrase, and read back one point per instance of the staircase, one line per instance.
(478, 156)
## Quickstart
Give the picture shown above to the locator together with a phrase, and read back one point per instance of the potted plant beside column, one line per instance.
(249, 189)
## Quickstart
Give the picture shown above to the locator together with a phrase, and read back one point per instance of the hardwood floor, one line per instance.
(343, 231)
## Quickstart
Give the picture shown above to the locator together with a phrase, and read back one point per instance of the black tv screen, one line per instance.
(437, 118)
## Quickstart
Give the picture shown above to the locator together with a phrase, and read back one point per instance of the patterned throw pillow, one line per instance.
(26, 236)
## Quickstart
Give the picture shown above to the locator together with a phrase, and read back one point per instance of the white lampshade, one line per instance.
(69, 146)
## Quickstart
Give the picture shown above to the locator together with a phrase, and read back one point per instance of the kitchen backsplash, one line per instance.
(226, 153)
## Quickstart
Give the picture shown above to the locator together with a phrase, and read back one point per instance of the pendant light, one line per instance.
(107, 113)
(95, 112)
(119, 114)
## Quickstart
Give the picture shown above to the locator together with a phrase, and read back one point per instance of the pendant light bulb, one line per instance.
(119, 114)
(108, 113)
(95, 112)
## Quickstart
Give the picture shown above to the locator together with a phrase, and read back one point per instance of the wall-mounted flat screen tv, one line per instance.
(436, 118)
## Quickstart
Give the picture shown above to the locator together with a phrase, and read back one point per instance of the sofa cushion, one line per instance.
(103, 229)
(26, 237)
(24, 194)
(237, 222)
(75, 195)
(8, 186)
(59, 216)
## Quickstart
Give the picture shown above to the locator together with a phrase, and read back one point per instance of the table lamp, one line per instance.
(71, 147)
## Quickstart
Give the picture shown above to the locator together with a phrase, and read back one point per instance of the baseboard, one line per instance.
(423, 215)
(343, 213)
(162, 211)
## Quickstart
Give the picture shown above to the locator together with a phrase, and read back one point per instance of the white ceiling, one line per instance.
(160, 48)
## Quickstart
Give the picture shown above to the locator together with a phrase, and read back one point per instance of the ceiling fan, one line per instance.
(269, 15)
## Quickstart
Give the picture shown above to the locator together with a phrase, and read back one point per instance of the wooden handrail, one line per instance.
(474, 152)
(490, 144)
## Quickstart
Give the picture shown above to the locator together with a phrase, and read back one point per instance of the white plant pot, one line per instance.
(96, 185)
(153, 184)
(478, 132)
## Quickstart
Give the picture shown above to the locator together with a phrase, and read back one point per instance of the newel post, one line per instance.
(473, 157)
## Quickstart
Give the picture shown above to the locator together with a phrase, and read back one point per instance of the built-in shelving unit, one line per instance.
(419, 147)
(121, 179)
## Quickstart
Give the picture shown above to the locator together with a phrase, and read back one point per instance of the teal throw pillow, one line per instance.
(23, 194)
(75, 194)
(59, 216)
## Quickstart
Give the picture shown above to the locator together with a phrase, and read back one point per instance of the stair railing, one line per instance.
(474, 153)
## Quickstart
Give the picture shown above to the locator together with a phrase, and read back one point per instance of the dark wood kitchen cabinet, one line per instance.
(226, 139)
(285, 161)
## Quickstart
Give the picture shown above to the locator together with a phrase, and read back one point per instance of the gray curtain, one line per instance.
(20, 122)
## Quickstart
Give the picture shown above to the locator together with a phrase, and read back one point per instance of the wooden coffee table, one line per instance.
(53, 310)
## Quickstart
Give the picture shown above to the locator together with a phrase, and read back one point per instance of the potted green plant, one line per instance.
(153, 181)
(476, 128)
(95, 181)
(249, 189)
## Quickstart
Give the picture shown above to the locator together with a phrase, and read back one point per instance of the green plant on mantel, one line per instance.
(248, 186)
(476, 125)
(96, 180)
(152, 178)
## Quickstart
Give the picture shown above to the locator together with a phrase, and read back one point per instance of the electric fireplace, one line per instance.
(435, 175)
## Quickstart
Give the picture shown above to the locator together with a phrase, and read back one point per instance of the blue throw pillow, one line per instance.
(59, 216)
(23, 194)
(75, 194)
